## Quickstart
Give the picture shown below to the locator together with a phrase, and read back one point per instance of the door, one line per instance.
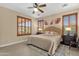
(70, 21)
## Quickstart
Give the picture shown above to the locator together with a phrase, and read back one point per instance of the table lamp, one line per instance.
(68, 29)
(40, 29)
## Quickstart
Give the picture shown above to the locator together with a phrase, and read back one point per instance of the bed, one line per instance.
(45, 41)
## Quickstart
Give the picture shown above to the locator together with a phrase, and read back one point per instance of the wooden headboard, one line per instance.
(53, 29)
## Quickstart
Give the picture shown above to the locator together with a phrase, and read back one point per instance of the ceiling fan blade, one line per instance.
(40, 10)
(30, 7)
(44, 5)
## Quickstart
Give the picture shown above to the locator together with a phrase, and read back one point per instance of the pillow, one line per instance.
(46, 32)
(52, 33)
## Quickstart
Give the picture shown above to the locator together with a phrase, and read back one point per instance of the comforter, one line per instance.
(46, 42)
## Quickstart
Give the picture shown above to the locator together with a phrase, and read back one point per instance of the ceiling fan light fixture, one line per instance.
(35, 9)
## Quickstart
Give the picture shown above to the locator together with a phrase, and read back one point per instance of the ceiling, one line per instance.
(51, 8)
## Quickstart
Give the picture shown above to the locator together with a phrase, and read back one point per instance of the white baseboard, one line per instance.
(4, 45)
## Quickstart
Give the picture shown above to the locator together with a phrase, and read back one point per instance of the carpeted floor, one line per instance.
(64, 50)
(22, 49)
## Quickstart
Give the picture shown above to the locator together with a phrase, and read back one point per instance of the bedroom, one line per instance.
(15, 33)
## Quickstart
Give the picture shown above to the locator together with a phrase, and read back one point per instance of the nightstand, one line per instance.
(69, 40)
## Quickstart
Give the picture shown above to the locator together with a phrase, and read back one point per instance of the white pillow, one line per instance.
(51, 33)
(46, 32)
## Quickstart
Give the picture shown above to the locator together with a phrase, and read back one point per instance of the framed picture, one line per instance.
(51, 22)
(57, 20)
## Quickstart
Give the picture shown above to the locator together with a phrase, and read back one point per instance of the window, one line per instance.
(40, 26)
(24, 26)
(70, 21)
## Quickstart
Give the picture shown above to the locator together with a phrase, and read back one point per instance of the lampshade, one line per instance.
(39, 29)
(35, 9)
(68, 29)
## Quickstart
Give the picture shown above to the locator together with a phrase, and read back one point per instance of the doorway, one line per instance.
(71, 22)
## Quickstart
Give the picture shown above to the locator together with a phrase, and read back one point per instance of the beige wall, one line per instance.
(53, 17)
(8, 26)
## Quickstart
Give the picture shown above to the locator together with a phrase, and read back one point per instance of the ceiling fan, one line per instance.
(37, 6)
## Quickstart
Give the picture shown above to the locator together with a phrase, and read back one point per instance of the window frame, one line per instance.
(40, 25)
(69, 21)
(24, 26)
